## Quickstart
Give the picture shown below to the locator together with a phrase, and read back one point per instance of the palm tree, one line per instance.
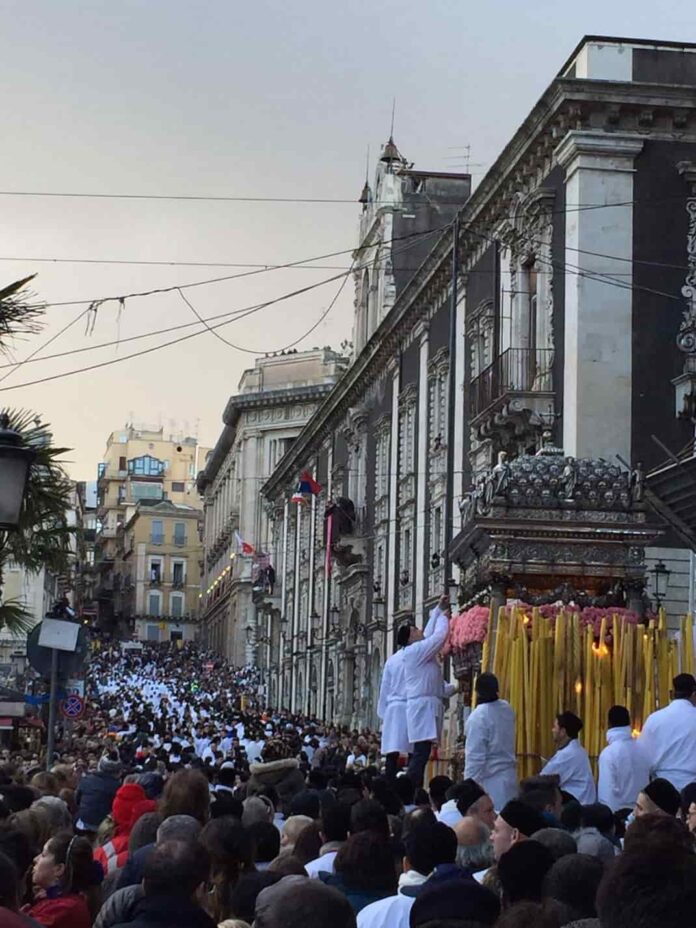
(43, 537)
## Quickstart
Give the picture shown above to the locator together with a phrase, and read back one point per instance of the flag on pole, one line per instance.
(243, 546)
(306, 488)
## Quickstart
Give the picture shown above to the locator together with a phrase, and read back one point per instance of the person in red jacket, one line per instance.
(130, 802)
(64, 873)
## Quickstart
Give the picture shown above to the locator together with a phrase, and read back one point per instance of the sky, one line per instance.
(228, 99)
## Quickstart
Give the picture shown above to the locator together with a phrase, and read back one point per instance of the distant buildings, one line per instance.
(276, 399)
(141, 469)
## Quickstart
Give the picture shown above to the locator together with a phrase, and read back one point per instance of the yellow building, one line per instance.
(139, 466)
(157, 571)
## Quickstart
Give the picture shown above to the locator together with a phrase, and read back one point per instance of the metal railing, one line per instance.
(517, 370)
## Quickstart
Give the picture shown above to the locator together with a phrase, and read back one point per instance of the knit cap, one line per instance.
(109, 766)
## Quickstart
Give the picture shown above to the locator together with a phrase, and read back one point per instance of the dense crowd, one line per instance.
(182, 801)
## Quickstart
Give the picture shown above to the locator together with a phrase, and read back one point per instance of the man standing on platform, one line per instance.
(490, 757)
(570, 762)
(391, 706)
(425, 688)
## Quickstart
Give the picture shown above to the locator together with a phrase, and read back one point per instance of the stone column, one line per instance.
(597, 379)
(421, 473)
(393, 500)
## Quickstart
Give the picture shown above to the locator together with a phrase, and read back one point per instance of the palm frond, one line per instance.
(19, 315)
(15, 618)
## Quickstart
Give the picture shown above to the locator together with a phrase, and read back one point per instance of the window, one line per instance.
(176, 636)
(146, 491)
(101, 470)
(176, 605)
(178, 572)
(157, 532)
(156, 571)
(178, 486)
(122, 464)
(153, 633)
(436, 538)
(146, 466)
(180, 534)
(154, 606)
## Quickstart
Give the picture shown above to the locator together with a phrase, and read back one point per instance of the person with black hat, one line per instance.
(391, 705)
(490, 757)
(669, 735)
(659, 797)
(623, 764)
(570, 762)
(515, 823)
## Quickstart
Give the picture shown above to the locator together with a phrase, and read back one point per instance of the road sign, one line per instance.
(75, 686)
(68, 663)
(72, 707)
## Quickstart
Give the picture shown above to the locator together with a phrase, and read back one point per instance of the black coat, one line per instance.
(168, 912)
(95, 794)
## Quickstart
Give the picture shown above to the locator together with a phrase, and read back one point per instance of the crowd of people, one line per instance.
(181, 801)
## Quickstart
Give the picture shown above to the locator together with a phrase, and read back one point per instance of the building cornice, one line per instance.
(243, 402)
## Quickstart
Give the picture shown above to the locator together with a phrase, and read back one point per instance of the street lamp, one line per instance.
(660, 574)
(15, 461)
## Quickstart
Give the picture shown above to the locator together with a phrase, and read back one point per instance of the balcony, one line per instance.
(517, 385)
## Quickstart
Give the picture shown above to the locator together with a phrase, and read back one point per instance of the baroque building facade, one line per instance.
(554, 315)
(276, 399)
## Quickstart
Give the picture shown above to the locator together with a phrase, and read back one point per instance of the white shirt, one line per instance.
(669, 741)
(572, 765)
(489, 756)
(424, 683)
(323, 864)
(392, 912)
(391, 706)
(624, 770)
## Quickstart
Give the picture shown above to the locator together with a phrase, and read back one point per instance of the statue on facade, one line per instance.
(569, 478)
(638, 483)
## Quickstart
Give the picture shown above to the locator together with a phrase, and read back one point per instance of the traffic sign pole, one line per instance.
(52, 706)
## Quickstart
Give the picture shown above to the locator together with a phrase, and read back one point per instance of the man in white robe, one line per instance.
(489, 757)
(425, 688)
(570, 762)
(669, 735)
(391, 707)
(624, 767)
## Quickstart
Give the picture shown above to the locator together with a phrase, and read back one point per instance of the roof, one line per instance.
(672, 493)
(622, 40)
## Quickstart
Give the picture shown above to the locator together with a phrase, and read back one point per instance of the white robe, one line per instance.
(391, 706)
(424, 683)
(572, 765)
(392, 912)
(489, 756)
(669, 740)
(624, 770)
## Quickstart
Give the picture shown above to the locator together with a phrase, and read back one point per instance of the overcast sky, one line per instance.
(261, 99)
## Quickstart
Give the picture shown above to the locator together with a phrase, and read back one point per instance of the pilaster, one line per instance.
(597, 373)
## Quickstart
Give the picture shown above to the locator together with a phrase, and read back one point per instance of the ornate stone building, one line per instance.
(276, 399)
(565, 280)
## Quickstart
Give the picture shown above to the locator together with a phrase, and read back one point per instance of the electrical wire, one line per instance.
(241, 314)
(264, 269)
(249, 199)
(234, 313)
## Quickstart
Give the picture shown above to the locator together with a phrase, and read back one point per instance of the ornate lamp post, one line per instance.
(660, 574)
(15, 461)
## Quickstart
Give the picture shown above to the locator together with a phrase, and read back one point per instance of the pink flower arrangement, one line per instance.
(472, 626)
(467, 627)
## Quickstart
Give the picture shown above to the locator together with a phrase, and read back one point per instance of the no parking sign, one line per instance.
(72, 707)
